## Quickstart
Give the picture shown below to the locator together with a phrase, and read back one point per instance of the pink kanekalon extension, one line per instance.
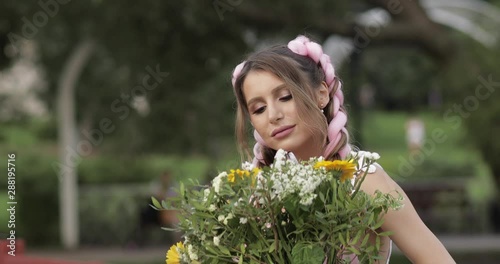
(305, 47)
(257, 147)
(236, 72)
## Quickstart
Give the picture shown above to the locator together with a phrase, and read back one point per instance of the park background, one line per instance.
(99, 98)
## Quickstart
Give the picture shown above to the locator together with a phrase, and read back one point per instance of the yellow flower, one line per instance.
(255, 172)
(173, 254)
(347, 167)
(231, 177)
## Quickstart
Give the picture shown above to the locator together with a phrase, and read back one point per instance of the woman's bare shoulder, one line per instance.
(378, 179)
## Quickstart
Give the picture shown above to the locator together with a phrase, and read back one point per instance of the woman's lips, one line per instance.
(282, 131)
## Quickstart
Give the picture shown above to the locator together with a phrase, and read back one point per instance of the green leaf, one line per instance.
(156, 203)
(272, 247)
(365, 240)
(303, 253)
(342, 239)
(386, 233)
(354, 250)
(165, 205)
(243, 248)
(224, 250)
(357, 237)
(378, 224)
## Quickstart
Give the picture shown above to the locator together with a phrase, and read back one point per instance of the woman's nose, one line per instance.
(275, 113)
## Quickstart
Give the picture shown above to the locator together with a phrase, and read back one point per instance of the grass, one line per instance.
(384, 132)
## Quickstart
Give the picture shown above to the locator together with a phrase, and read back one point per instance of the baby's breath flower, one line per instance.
(243, 220)
(206, 193)
(217, 181)
(216, 240)
(279, 159)
(193, 254)
(247, 166)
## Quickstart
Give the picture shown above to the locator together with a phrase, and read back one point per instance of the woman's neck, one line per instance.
(306, 154)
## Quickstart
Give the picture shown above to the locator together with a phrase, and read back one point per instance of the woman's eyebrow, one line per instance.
(274, 91)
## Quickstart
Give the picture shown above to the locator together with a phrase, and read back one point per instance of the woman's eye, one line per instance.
(286, 98)
(259, 110)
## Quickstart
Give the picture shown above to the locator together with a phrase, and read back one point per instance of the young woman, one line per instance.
(294, 101)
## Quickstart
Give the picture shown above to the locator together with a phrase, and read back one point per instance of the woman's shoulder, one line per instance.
(376, 177)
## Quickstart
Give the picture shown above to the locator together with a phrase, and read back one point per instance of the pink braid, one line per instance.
(305, 47)
(257, 154)
(236, 72)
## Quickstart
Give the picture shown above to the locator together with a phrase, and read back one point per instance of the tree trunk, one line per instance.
(67, 136)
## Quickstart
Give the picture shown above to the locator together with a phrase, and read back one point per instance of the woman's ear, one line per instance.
(323, 95)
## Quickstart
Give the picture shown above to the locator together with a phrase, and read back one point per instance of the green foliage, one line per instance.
(404, 83)
(473, 79)
(37, 219)
(4, 214)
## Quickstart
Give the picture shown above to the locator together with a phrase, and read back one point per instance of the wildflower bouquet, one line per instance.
(291, 212)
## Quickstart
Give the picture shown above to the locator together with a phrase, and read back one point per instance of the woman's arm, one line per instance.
(410, 233)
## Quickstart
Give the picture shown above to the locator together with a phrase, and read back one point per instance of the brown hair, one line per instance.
(302, 76)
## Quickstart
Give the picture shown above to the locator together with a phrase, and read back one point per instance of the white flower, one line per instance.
(221, 218)
(279, 159)
(375, 156)
(229, 216)
(268, 225)
(193, 254)
(217, 181)
(243, 220)
(292, 158)
(247, 166)
(216, 240)
(206, 193)
(212, 208)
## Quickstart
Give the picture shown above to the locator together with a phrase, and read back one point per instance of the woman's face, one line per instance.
(273, 114)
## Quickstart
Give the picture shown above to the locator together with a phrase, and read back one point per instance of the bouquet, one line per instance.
(290, 212)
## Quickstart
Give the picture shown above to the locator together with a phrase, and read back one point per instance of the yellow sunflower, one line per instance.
(347, 167)
(173, 254)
